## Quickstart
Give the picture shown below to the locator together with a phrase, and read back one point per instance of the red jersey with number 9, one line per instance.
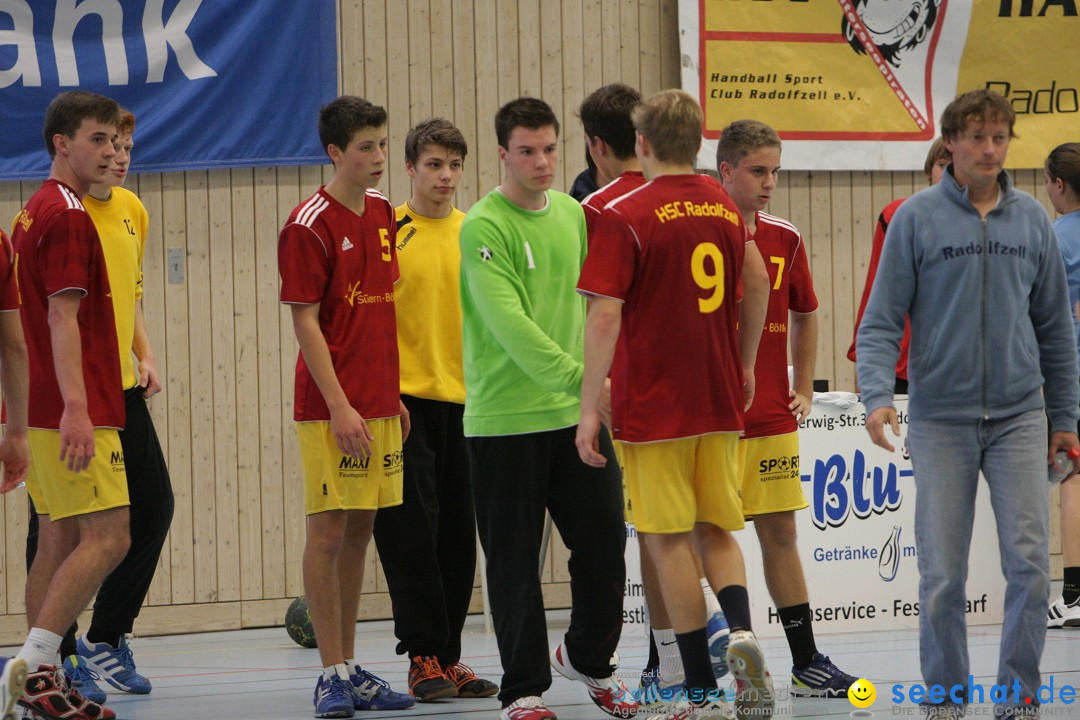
(672, 251)
(347, 263)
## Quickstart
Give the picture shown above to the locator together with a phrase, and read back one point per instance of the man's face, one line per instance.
(121, 163)
(751, 182)
(89, 153)
(436, 173)
(978, 153)
(531, 157)
(361, 162)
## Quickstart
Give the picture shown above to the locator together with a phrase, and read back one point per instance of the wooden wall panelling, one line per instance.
(591, 18)
(821, 258)
(400, 80)
(528, 51)
(148, 187)
(419, 38)
(222, 382)
(840, 204)
(442, 64)
(247, 364)
(864, 212)
(271, 470)
(610, 46)
(670, 60)
(496, 77)
(291, 192)
(574, 90)
(201, 385)
(177, 345)
(629, 43)
(463, 85)
(352, 44)
(649, 44)
(553, 91)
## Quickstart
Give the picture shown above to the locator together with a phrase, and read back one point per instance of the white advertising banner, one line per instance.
(857, 537)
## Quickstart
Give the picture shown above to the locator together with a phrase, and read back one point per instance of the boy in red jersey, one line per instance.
(337, 261)
(77, 479)
(607, 116)
(14, 374)
(663, 271)
(748, 157)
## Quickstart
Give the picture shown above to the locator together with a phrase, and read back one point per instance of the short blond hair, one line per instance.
(671, 120)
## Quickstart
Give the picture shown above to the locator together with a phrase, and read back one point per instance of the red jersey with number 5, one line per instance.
(347, 263)
(672, 251)
(791, 289)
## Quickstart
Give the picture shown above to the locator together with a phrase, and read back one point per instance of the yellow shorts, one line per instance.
(628, 507)
(60, 493)
(771, 481)
(333, 481)
(674, 484)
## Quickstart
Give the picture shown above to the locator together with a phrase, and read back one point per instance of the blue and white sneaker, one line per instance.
(80, 678)
(333, 697)
(12, 682)
(718, 631)
(114, 665)
(820, 679)
(653, 692)
(371, 692)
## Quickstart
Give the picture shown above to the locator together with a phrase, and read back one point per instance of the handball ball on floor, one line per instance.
(298, 623)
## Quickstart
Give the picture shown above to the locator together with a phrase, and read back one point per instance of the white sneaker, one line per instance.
(609, 693)
(530, 707)
(12, 682)
(1062, 615)
(754, 696)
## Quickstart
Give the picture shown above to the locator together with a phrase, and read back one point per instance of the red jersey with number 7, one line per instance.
(672, 252)
(347, 263)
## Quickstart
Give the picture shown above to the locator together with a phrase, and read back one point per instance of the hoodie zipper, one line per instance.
(985, 279)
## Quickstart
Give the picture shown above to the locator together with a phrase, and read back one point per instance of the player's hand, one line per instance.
(749, 385)
(800, 405)
(76, 440)
(1061, 440)
(406, 421)
(588, 445)
(875, 425)
(148, 377)
(351, 433)
(603, 407)
(15, 455)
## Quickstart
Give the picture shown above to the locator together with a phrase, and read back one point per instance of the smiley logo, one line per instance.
(862, 693)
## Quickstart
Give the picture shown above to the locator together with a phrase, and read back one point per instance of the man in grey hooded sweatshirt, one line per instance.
(974, 262)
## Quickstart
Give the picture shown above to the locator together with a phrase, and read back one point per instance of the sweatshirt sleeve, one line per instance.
(487, 269)
(877, 342)
(1051, 317)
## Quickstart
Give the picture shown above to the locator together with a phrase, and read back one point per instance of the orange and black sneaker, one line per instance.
(427, 681)
(48, 695)
(468, 685)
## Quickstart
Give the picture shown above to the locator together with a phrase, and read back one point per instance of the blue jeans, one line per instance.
(947, 457)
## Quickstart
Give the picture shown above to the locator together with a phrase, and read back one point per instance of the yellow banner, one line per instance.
(860, 84)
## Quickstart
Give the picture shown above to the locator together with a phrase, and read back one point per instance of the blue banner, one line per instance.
(212, 83)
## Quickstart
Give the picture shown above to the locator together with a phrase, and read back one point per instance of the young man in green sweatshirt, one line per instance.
(522, 247)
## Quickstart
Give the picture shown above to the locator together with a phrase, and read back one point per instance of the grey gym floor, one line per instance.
(249, 674)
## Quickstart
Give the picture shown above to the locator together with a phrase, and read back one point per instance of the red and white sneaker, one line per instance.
(609, 693)
(49, 697)
(530, 707)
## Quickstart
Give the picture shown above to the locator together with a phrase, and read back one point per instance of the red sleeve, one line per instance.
(871, 269)
(9, 282)
(801, 296)
(592, 213)
(65, 251)
(304, 264)
(611, 262)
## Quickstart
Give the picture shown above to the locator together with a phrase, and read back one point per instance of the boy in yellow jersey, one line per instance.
(102, 653)
(338, 265)
(428, 543)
